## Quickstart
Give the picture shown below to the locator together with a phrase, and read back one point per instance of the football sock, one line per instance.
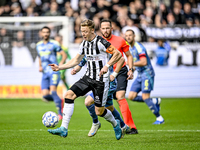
(152, 106)
(48, 97)
(67, 112)
(107, 115)
(138, 99)
(117, 116)
(92, 113)
(57, 101)
(126, 113)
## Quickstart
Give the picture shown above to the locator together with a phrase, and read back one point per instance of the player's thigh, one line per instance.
(135, 88)
(147, 84)
(89, 100)
(54, 79)
(45, 83)
(100, 91)
(80, 88)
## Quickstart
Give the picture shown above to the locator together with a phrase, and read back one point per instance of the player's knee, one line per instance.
(89, 101)
(99, 111)
(111, 108)
(70, 95)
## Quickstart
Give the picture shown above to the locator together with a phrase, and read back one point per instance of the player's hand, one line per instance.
(112, 78)
(73, 71)
(54, 67)
(40, 69)
(130, 75)
(103, 71)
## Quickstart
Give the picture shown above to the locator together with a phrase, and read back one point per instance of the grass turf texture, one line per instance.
(21, 127)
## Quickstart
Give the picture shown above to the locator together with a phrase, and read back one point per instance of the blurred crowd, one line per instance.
(136, 14)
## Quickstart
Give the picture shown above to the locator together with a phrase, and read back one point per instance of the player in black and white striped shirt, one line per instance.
(97, 51)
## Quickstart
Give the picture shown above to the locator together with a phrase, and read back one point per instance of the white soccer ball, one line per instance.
(50, 119)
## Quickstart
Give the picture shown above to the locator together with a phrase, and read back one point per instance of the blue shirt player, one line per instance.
(47, 50)
(89, 101)
(145, 80)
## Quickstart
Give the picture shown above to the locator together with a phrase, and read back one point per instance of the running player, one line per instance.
(47, 50)
(96, 78)
(145, 78)
(109, 104)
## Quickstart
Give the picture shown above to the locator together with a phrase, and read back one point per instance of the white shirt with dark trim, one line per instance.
(97, 57)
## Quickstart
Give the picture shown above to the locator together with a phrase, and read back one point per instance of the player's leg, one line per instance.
(46, 96)
(147, 87)
(89, 103)
(100, 97)
(54, 80)
(120, 96)
(68, 110)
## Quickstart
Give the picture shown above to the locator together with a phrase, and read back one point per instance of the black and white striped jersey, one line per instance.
(97, 57)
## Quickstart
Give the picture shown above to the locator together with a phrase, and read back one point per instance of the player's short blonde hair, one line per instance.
(89, 23)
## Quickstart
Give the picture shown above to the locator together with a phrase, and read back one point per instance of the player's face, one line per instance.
(130, 37)
(106, 29)
(45, 34)
(87, 33)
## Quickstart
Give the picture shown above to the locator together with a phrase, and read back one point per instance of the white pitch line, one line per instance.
(26, 130)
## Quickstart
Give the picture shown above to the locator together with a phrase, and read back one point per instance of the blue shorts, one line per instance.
(50, 79)
(144, 84)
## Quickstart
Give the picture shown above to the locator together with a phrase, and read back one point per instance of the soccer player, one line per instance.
(59, 58)
(96, 78)
(145, 78)
(89, 102)
(47, 50)
(124, 75)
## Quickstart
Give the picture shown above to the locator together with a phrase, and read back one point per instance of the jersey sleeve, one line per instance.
(103, 45)
(141, 50)
(125, 46)
(81, 48)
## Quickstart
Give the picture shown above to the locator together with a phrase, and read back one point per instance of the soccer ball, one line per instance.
(50, 119)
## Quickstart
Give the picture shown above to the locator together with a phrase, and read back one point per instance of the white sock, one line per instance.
(160, 118)
(154, 100)
(67, 114)
(110, 118)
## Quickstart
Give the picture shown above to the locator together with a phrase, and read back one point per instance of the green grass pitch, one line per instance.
(21, 127)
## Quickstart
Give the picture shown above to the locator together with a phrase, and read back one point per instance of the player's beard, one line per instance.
(106, 36)
(46, 38)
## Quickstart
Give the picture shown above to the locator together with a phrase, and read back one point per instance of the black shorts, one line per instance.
(99, 89)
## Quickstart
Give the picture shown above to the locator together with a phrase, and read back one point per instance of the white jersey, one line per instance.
(97, 57)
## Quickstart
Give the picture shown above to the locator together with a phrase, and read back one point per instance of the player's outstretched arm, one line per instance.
(75, 70)
(73, 62)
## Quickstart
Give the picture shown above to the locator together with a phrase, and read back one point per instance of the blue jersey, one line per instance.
(162, 56)
(137, 51)
(47, 53)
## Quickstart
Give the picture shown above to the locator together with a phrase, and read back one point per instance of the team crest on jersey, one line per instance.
(97, 100)
(50, 46)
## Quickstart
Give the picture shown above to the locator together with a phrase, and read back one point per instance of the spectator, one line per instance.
(131, 25)
(187, 11)
(179, 17)
(53, 10)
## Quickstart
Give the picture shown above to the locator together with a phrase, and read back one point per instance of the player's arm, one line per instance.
(40, 65)
(130, 64)
(78, 67)
(114, 59)
(73, 62)
(142, 62)
(117, 69)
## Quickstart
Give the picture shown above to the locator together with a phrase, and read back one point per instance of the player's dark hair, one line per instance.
(106, 20)
(45, 27)
(131, 31)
